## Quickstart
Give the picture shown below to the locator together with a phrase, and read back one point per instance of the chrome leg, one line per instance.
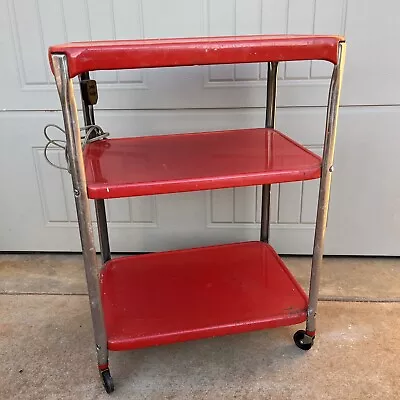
(74, 148)
(272, 77)
(101, 216)
(102, 230)
(325, 186)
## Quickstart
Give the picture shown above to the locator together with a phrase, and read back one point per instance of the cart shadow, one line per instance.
(207, 364)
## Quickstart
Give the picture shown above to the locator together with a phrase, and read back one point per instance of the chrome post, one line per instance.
(325, 186)
(101, 216)
(272, 77)
(74, 148)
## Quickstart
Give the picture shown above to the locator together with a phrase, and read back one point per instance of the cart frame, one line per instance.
(304, 339)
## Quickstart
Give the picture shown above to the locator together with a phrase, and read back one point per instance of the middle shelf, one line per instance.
(148, 165)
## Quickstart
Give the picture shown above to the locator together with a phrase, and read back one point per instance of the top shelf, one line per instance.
(155, 53)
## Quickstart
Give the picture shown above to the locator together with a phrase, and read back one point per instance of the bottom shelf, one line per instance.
(175, 296)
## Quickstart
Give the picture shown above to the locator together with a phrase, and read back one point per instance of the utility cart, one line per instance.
(160, 298)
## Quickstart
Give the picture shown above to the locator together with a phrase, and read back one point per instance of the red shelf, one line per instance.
(195, 161)
(171, 52)
(175, 296)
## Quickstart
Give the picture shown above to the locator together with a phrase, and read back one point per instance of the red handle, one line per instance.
(153, 53)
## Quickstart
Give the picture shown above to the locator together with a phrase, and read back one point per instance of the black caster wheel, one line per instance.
(302, 340)
(107, 380)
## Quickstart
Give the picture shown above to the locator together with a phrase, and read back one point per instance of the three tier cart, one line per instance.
(160, 298)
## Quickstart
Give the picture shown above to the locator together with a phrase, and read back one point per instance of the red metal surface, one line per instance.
(102, 367)
(162, 298)
(195, 161)
(128, 54)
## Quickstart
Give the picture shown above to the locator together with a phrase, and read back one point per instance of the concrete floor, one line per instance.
(46, 344)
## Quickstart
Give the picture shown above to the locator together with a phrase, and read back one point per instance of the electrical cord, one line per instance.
(93, 134)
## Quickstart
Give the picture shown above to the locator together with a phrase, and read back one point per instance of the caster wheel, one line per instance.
(107, 380)
(302, 340)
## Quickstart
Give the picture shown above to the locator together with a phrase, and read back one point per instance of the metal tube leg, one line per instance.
(71, 122)
(265, 212)
(101, 216)
(102, 230)
(324, 190)
(272, 77)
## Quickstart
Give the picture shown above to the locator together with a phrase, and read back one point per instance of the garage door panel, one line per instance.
(29, 27)
(38, 209)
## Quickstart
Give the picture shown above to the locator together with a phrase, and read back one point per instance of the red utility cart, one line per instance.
(160, 298)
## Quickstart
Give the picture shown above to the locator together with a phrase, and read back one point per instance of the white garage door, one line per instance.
(37, 211)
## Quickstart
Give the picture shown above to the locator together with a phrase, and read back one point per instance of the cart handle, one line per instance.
(154, 53)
